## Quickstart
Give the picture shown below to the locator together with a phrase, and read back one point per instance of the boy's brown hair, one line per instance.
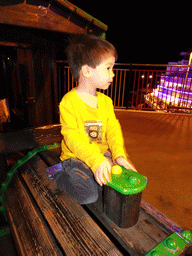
(87, 50)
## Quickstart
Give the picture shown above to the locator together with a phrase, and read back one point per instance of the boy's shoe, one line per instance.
(52, 170)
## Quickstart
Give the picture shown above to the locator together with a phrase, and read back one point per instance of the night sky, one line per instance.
(144, 32)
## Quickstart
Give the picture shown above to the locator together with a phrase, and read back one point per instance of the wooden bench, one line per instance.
(45, 221)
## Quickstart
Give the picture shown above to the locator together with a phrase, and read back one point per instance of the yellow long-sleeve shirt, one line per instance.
(89, 132)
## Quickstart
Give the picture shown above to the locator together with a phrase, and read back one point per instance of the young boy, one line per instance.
(92, 138)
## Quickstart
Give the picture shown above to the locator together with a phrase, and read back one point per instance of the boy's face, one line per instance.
(102, 75)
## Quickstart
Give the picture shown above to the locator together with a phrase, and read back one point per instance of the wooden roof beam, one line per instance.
(45, 16)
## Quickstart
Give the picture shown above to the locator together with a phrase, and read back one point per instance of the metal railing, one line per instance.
(141, 86)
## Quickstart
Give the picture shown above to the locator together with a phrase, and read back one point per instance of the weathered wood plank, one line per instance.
(30, 235)
(74, 229)
(51, 157)
(37, 17)
(163, 220)
(27, 139)
(137, 240)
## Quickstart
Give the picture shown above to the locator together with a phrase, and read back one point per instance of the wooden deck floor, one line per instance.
(160, 146)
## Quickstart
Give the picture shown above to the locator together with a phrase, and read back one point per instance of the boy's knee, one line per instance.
(90, 199)
(78, 185)
(86, 192)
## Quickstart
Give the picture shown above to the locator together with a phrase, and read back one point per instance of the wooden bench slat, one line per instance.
(51, 157)
(31, 138)
(30, 236)
(137, 240)
(73, 228)
(160, 218)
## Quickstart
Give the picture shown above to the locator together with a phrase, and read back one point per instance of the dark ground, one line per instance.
(160, 146)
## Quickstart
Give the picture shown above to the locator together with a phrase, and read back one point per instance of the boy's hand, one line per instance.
(102, 172)
(125, 163)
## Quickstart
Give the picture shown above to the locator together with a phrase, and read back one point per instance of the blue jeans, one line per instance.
(77, 180)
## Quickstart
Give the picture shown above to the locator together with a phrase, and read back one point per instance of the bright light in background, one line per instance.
(143, 76)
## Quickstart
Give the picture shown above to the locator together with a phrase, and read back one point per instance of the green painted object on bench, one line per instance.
(19, 163)
(172, 245)
(127, 182)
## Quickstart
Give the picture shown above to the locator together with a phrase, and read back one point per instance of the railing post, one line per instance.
(129, 85)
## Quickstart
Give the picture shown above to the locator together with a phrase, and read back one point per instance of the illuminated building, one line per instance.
(174, 90)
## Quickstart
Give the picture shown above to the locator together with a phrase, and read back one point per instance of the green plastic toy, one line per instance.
(127, 182)
(172, 245)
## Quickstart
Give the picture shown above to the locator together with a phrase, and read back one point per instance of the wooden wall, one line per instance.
(34, 36)
(32, 91)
